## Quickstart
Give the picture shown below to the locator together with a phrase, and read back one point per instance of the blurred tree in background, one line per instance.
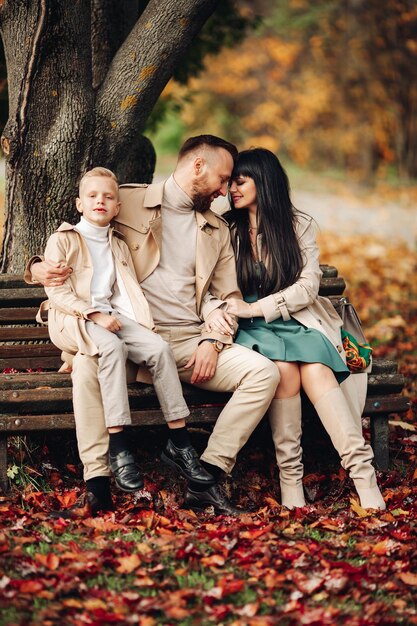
(327, 84)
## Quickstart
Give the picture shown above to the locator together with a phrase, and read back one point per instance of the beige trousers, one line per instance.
(251, 377)
(143, 347)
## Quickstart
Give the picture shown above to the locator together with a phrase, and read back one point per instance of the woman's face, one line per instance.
(243, 192)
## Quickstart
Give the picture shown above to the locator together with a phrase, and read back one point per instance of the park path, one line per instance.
(390, 220)
(350, 213)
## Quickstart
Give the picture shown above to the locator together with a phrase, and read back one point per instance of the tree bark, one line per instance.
(83, 79)
(139, 72)
(50, 119)
(111, 22)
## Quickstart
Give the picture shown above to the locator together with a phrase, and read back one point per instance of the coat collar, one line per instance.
(153, 199)
(153, 195)
(65, 226)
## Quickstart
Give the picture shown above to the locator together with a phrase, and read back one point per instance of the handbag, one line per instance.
(358, 351)
(351, 322)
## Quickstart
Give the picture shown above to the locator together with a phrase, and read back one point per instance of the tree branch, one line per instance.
(111, 22)
(141, 69)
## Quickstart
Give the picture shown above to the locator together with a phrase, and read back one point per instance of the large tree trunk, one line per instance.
(50, 119)
(74, 104)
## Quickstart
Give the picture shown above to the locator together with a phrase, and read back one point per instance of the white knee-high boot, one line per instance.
(355, 454)
(285, 419)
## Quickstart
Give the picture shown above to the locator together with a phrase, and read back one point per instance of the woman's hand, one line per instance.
(239, 308)
(244, 309)
(220, 321)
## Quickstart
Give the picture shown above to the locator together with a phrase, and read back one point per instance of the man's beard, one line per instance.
(201, 199)
(201, 202)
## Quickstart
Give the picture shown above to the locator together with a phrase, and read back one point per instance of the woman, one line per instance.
(285, 319)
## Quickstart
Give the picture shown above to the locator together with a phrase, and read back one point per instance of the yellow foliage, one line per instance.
(319, 93)
(264, 141)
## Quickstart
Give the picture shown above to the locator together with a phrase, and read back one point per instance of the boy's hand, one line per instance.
(50, 274)
(220, 321)
(204, 360)
(109, 322)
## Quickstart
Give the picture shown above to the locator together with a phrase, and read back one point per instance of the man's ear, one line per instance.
(79, 205)
(198, 165)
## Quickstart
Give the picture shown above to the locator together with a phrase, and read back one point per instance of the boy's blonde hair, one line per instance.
(98, 171)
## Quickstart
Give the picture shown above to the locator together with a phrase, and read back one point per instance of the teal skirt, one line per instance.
(290, 341)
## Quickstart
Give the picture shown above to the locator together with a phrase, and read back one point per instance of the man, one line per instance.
(184, 261)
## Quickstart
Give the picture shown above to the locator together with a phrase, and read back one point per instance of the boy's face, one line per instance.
(99, 200)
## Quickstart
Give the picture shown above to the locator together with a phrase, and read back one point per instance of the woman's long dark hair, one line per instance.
(276, 219)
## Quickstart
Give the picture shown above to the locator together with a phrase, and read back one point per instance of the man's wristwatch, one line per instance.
(217, 345)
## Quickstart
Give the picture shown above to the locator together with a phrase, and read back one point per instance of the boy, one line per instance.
(101, 310)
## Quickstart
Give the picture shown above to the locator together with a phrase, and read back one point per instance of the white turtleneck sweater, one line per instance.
(174, 277)
(104, 273)
(108, 293)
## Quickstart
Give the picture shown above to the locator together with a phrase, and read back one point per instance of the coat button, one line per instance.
(209, 230)
(135, 246)
(124, 263)
(339, 348)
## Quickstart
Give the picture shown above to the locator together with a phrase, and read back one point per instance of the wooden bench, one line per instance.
(42, 400)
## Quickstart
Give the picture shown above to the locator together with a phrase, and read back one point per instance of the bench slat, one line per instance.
(12, 423)
(385, 383)
(56, 421)
(23, 333)
(386, 404)
(27, 296)
(37, 399)
(11, 352)
(18, 315)
(14, 281)
(32, 363)
(383, 370)
(56, 394)
(332, 286)
(34, 380)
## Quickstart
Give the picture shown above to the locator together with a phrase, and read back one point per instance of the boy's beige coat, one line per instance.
(70, 304)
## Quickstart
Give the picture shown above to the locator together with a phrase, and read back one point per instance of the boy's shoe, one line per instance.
(215, 497)
(125, 471)
(87, 505)
(187, 461)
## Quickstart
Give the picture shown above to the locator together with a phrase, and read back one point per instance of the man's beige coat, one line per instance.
(140, 222)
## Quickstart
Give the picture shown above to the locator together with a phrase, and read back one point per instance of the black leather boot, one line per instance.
(215, 497)
(125, 471)
(187, 461)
